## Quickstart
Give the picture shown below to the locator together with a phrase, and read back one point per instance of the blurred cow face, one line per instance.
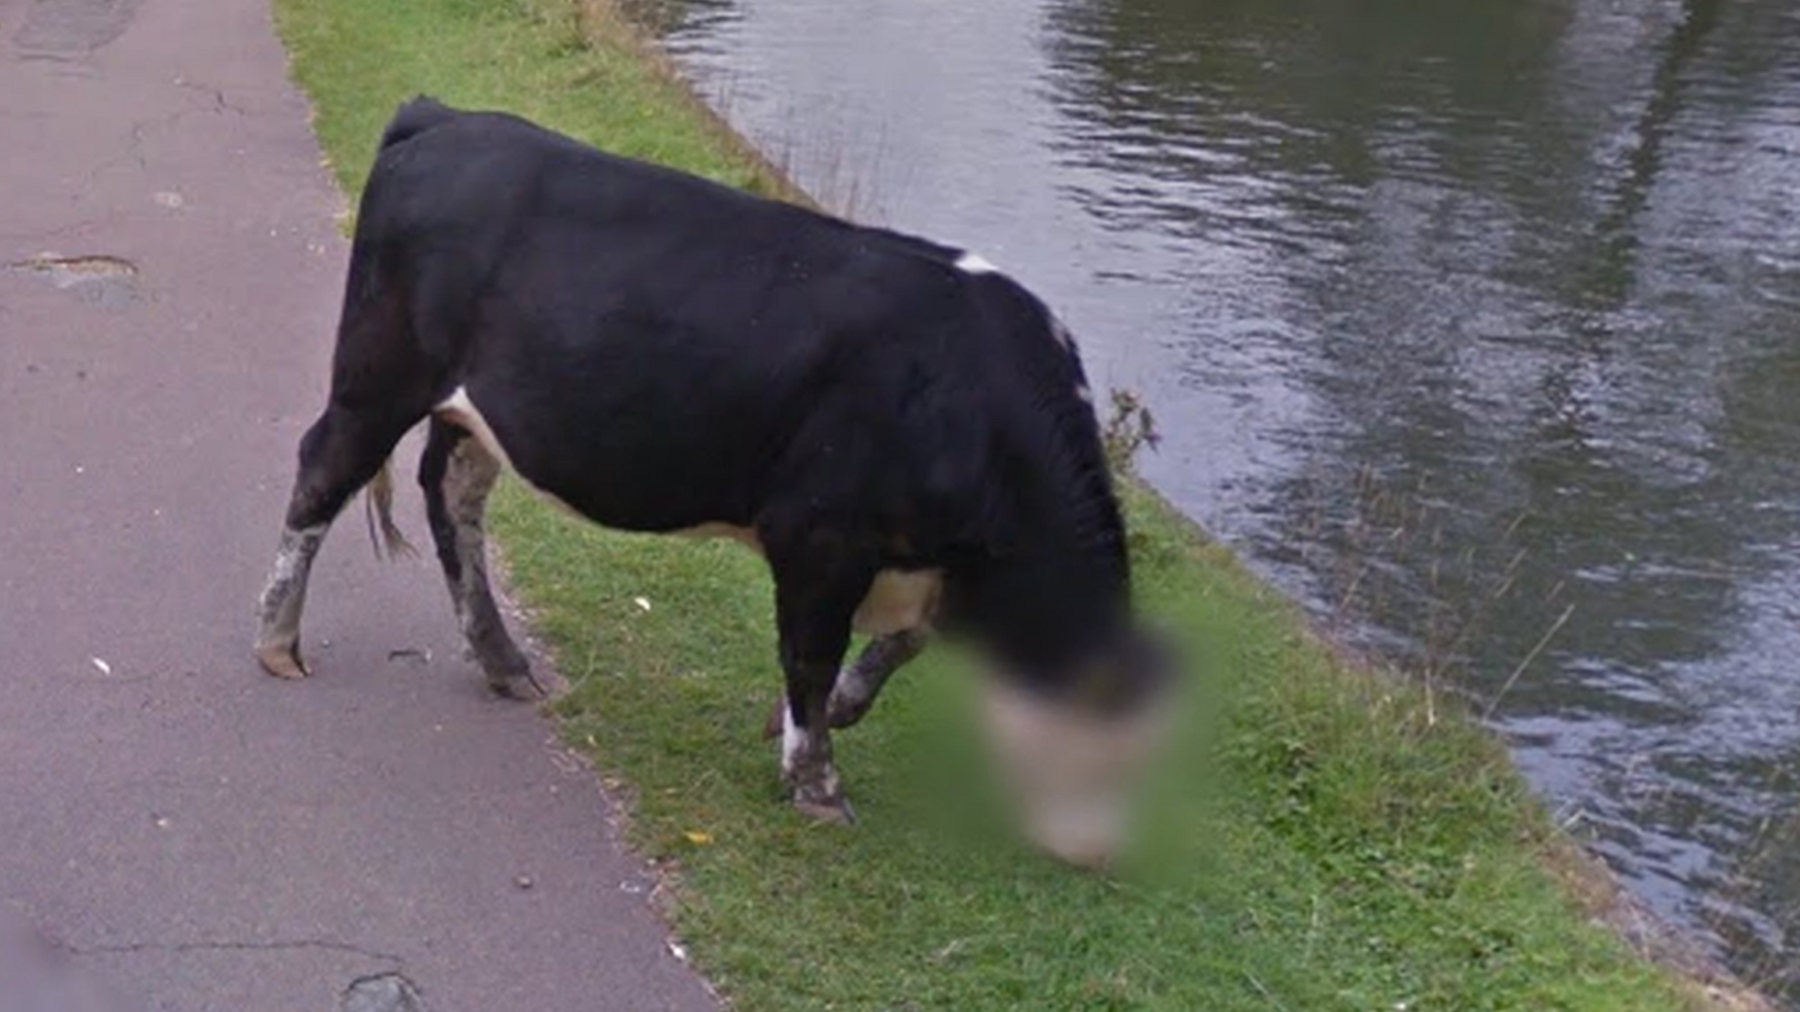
(1072, 750)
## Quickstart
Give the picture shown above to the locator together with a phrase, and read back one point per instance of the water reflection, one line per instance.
(1517, 278)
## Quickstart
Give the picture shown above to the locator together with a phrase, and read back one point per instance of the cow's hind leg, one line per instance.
(456, 474)
(339, 454)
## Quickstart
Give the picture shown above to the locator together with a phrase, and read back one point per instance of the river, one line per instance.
(1474, 325)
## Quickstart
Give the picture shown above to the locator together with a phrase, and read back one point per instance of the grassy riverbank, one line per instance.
(1345, 850)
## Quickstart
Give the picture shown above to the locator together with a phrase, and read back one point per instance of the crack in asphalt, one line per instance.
(217, 94)
(141, 129)
(51, 233)
(182, 948)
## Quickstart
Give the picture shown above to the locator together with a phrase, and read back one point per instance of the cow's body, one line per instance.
(903, 432)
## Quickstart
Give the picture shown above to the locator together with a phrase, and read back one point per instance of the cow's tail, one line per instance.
(378, 507)
(414, 117)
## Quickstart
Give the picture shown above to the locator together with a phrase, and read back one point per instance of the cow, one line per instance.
(904, 433)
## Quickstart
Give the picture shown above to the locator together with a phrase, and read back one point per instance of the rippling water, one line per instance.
(1476, 325)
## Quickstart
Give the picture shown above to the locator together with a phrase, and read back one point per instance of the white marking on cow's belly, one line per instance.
(975, 263)
(458, 409)
(742, 535)
(899, 600)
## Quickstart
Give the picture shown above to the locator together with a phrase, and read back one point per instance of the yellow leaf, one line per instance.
(695, 836)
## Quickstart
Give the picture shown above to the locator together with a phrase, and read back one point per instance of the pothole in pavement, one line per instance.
(386, 992)
(107, 281)
(66, 26)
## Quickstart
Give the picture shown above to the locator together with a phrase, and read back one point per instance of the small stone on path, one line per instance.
(388, 992)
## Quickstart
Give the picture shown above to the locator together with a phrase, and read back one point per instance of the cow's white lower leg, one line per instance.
(284, 599)
(807, 768)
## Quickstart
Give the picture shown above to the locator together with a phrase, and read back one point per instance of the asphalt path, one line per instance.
(178, 830)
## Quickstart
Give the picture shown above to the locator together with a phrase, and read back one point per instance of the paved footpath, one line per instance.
(187, 831)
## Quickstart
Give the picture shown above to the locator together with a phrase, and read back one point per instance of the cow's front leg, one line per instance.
(818, 584)
(806, 764)
(861, 680)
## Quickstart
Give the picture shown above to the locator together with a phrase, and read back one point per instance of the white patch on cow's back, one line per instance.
(975, 263)
(899, 600)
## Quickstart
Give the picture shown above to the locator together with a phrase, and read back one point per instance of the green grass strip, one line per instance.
(1320, 840)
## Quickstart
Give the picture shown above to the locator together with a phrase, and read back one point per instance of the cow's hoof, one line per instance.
(835, 809)
(523, 687)
(281, 660)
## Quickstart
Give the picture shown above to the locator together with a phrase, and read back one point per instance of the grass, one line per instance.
(537, 58)
(1319, 840)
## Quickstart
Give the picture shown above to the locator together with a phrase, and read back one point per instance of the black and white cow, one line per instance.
(903, 432)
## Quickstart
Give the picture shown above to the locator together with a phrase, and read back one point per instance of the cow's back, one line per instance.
(662, 352)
